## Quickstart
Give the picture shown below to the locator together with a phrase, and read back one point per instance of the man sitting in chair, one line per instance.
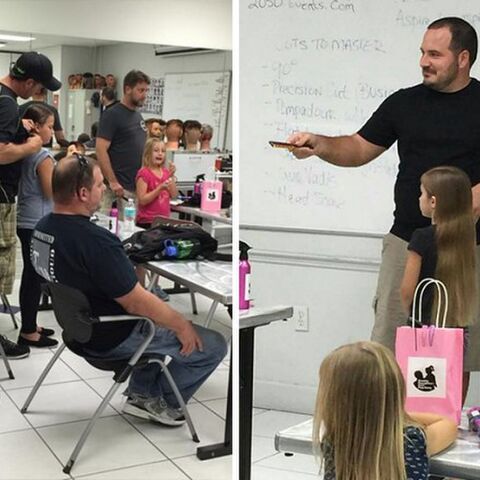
(69, 249)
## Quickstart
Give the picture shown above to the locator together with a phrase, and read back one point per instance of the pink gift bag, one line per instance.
(431, 360)
(211, 195)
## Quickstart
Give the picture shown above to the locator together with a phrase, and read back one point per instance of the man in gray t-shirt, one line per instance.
(120, 140)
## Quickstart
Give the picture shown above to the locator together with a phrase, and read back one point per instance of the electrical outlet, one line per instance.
(300, 317)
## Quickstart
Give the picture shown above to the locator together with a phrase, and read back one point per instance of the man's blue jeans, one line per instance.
(189, 372)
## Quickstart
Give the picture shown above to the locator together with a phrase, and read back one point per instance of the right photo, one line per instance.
(359, 172)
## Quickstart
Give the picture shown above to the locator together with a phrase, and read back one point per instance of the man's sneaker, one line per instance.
(12, 350)
(161, 294)
(155, 409)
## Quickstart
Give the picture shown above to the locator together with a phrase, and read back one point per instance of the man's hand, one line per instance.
(189, 339)
(28, 124)
(117, 189)
(306, 144)
(34, 143)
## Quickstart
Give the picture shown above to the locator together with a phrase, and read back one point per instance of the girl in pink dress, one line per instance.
(155, 184)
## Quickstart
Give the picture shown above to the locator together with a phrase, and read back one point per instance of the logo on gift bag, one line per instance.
(212, 195)
(426, 377)
(425, 383)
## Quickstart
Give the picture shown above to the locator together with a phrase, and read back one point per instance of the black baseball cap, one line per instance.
(36, 66)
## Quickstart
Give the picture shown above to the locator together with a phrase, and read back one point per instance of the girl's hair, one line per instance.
(38, 113)
(455, 236)
(359, 413)
(148, 151)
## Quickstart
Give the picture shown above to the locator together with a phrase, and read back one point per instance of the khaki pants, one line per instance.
(387, 305)
(109, 197)
(8, 242)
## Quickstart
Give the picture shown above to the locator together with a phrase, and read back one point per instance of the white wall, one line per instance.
(196, 23)
(5, 60)
(335, 277)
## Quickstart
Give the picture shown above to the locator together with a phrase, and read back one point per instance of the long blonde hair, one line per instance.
(455, 237)
(148, 151)
(359, 413)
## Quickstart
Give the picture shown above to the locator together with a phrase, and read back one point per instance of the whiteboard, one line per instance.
(189, 164)
(325, 66)
(199, 96)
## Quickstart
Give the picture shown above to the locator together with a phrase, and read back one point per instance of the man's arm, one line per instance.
(102, 146)
(141, 302)
(60, 138)
(343, 151)
(11, 152)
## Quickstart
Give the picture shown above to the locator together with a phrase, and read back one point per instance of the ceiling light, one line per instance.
(15, 38)
(2, 44)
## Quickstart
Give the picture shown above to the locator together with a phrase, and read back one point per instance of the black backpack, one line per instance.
(172, 240)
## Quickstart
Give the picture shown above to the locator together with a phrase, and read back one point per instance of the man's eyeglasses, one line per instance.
(82, 171)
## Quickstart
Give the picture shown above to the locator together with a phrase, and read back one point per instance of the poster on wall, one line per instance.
(154, 100)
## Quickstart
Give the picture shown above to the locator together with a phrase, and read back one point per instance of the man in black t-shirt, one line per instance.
(30, 71)
(40, 97)
(434, 123)
(68, 248)
(120, 140)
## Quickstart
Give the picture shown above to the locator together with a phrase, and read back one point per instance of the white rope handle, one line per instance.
(441, 289)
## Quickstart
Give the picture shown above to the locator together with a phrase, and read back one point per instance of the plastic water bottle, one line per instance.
(129, 217)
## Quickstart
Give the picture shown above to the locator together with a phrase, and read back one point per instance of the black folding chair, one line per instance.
(73, 314)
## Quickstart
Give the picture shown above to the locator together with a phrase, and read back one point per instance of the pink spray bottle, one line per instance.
(244, 270)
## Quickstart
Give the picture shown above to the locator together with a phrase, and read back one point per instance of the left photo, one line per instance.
(116, 186)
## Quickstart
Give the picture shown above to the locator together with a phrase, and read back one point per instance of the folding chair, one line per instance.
(5, 361)
(73, 314)
(8, 308)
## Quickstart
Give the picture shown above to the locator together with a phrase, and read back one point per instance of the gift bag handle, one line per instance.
(442, 299)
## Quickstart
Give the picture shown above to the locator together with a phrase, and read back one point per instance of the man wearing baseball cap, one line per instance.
(17, 141)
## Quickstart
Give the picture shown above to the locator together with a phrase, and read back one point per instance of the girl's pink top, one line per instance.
(161, 204)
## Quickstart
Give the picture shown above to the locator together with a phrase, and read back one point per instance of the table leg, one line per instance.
(224, 448)
(246, 401)
(210, 314)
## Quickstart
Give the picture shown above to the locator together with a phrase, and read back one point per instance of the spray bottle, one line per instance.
(244, 270)
(113, 219)
(197, 186)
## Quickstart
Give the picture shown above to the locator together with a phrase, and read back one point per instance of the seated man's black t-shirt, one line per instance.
(71, 250)
(9, 122)
(432, 129)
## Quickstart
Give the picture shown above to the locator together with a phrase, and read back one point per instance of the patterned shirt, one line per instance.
(416, 460)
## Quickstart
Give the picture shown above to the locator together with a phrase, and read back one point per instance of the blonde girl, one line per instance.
(445, 249)
(155, 184)
(361, 430)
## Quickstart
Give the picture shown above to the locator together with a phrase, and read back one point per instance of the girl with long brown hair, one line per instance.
(361, 430)
(445, 250)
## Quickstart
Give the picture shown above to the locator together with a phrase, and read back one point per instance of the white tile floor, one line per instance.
(267, 463)
(120, 447)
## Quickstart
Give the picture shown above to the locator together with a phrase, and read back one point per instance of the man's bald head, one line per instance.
(70, 175)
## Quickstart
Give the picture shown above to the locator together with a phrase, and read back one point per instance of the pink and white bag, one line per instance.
(431, 359)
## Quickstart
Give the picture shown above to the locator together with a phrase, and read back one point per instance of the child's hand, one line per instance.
(172, 168)
(166, 184)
